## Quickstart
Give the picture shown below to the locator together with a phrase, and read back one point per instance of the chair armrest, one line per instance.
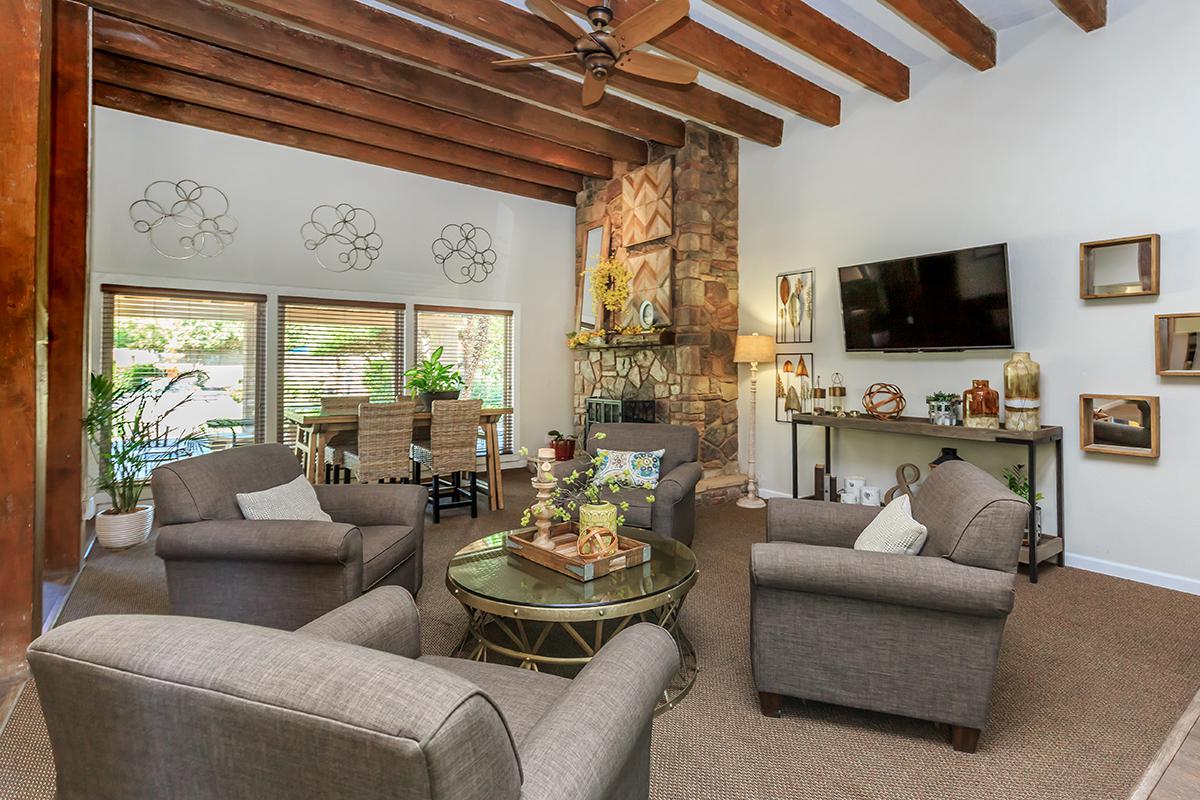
(676, 484)
(384, 619)
(374, 503)
(816, 521)
(581, 463)
(916, 581)
(261, 540)
(602, 713)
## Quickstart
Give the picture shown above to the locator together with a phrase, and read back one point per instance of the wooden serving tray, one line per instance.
(563, 558)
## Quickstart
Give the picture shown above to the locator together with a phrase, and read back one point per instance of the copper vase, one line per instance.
(981, 406)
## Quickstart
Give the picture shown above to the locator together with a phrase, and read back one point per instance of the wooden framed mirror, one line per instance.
(1177, 345)
(591, 247)
(1119, 424)
(1119, 267)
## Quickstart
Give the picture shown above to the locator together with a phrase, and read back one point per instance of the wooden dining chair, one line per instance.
(383, 451)
(335, 405)
(449, 454)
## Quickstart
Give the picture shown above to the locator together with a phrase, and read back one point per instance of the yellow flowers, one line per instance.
(610, 284)
(585, 337)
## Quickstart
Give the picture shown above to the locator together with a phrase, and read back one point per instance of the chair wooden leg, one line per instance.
(328, 473)
(964, 740)
(474, 495)
(436, 498)
(416, 472)
(770, 703)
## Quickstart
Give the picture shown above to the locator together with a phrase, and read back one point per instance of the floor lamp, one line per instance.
(753, 350)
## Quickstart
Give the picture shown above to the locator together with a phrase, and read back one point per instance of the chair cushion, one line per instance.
(523, 696)
(638, 513)
(893, 530)
(636, 468)
(385, 547)
(295, 499)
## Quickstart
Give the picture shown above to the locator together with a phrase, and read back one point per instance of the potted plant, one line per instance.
(1018, 483)
(943, 408)
(433, 380)
(124, 424)
(564, 448)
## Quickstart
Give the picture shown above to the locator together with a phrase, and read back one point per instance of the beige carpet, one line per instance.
(1094, 672)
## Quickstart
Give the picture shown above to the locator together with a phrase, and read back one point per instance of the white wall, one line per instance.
(1071, 138)
(272, 190)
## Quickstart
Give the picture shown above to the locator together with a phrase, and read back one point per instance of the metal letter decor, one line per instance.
(465, 253)
(184, 219)
(342, 237)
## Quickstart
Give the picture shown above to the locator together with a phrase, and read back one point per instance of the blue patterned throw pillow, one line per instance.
(637, 469)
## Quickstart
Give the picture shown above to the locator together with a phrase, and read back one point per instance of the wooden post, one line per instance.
(67, 283)
(24, 158)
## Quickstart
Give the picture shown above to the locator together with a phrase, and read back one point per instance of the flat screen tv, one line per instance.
(957, 300)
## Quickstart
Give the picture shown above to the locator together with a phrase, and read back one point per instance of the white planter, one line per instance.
(118, 531)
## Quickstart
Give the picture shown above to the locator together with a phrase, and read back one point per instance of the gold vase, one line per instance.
(1022, 393)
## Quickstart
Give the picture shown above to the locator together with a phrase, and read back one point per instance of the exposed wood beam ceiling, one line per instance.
(1088, 14)
(149, 105)
(952, 26)
(813, 33)
(509, 26)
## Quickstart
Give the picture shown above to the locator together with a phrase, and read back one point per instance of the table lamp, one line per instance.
(753, 350)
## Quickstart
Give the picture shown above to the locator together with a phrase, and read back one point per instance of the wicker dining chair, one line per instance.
(383, 450)
(335, 448)
(449, 453)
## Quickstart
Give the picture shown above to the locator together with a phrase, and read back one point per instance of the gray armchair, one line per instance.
(917, 636)
(278, 573)
(153, 707)
(673, 513)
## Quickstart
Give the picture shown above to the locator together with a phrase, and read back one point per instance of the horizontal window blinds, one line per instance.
(329, 348)
(479, 342)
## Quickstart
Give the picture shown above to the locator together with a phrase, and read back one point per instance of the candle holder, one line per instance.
(543, 510)
(837, 395)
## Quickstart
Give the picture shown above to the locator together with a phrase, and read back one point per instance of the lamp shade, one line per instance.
(754, 349)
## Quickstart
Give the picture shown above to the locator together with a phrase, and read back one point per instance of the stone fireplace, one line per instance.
(687, 370)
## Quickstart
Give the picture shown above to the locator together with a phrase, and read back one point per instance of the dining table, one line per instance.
(324, 426)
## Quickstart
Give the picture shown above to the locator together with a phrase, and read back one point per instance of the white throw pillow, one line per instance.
(293, 500)
(894, 530)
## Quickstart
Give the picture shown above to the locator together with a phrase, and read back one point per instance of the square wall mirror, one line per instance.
(1119, 267)
(1123, 425)
(1177, 344)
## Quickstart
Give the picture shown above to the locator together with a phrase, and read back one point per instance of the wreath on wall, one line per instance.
(610, 284)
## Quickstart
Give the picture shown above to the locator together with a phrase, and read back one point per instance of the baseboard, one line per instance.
(1166, 580)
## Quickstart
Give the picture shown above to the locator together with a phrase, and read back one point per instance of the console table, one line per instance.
(1040, 548)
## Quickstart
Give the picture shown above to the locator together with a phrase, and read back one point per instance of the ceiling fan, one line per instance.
(607, 47)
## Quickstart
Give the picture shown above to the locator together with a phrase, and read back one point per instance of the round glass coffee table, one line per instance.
(530, 616)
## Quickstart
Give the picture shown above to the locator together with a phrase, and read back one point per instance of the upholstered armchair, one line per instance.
(147, 707)
(278, 573)
(917, 636)
(673, 512)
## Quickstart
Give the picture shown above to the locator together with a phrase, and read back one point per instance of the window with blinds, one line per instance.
(329, 348)
(479, 342)
(153, 335)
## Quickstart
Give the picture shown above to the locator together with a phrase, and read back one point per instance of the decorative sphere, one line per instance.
(884, 400)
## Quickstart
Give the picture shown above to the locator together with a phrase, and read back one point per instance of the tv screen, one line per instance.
(945, 301)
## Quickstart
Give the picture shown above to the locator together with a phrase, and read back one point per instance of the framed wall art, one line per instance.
(794, 300)
(793, 385)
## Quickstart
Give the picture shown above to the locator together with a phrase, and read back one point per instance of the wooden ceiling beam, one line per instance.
(151, 79)
(148, 44)
(148, 105)
(511, 27)
(225, 26)
(1087, 14)
(811, 32)
(952, 26)
(360, 24)
(726, 59)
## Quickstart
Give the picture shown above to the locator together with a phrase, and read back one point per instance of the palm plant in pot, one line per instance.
(124, 425)
(433, 380)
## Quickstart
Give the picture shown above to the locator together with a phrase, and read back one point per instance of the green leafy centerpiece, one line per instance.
(434, 380)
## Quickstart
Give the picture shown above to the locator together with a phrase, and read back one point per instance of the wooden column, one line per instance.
(67, 282)
(24, 157)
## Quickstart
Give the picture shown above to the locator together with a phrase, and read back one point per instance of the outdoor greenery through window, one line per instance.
(329, 348)
(153, 335)
(479, 342)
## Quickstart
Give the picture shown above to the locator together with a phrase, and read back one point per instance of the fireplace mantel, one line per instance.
(615, 341)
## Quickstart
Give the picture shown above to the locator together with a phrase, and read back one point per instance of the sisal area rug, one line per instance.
(1094, 672)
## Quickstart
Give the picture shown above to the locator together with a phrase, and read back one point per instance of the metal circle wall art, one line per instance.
(465, 253)
(342, 237)
(183, 219)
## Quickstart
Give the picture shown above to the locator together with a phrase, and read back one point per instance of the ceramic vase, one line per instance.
(119, 531)
(1022, 393)
(598, 515)
(981, 406)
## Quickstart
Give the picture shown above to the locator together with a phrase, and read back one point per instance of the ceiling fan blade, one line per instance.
(593, 88)
(648, 65)
(549, 11)
(508, 62)
(650, 22)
